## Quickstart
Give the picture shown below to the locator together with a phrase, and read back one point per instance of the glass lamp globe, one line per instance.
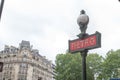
(82, 19)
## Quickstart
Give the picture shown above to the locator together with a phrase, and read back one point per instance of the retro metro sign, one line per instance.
(1, 66)
(89, 42)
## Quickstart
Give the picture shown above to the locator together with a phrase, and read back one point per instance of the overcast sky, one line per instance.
(49, 24)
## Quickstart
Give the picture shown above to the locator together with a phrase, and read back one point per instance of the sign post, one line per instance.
(85, 42)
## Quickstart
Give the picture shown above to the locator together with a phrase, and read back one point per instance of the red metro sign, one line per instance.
(89, 42)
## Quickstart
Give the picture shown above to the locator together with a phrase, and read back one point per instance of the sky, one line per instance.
(49, 24)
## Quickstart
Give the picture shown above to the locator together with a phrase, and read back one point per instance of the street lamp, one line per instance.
(82, 21)
(84, 42)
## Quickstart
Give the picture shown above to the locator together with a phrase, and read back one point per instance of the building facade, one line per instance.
(24, 63)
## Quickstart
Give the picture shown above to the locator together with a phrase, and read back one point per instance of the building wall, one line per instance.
(16, 67)
(24, 63)
(29, 72)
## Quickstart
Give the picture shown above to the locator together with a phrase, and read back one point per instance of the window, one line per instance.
(33, 57)
(1, 66)
(24, 65)
(23, 68)
(22, 77)
(39, 78)
(24, 59)
(14, 55)
(8, 55)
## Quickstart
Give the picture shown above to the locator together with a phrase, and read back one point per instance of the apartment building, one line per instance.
(24, 63)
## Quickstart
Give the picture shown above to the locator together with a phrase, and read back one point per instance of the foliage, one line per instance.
(111, 65)
(68, 66)
(94, 62)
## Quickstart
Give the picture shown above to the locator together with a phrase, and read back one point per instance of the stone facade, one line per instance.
(24, 63)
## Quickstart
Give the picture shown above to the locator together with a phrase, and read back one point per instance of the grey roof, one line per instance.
(25, 44)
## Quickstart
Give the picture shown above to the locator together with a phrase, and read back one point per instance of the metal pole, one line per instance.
(82, 21)
(84, 54)
(1, 7)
